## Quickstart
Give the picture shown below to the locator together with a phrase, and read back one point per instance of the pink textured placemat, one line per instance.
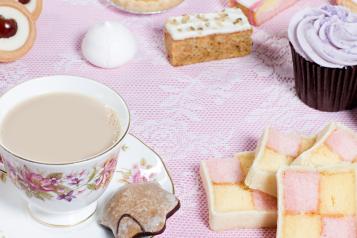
(186, 114)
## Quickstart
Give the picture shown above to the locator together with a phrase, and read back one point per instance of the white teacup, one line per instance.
(63, 194)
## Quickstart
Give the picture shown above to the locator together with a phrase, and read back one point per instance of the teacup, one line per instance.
(62, 194)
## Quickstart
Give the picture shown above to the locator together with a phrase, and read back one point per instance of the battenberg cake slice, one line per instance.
(317, 202)
(275, 150)
(231, 204)
(205, 37)
(260, 11)
(351, 4)
(334, 144)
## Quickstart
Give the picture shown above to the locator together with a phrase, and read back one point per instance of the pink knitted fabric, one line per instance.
(186, 114)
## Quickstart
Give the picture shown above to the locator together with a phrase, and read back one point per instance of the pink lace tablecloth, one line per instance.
(186, 114)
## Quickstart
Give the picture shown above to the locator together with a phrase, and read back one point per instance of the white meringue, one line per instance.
(109, 45)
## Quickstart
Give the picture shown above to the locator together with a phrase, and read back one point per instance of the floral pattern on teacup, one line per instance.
(2, 176)
(60, 186)
(2, 173)
(136, 174)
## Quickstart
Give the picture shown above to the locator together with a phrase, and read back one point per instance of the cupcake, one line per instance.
(324, 49)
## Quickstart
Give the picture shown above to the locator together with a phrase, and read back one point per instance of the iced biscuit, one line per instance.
(139, 210)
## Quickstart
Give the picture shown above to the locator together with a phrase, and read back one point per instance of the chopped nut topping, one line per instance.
(202, 18)
(237, 21)
(219, 23)
(192, 28)
(174, 22)
(185, 19)
(207, 24)
(200, 28)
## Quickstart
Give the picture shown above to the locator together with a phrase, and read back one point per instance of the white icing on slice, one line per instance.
(229, 20)
(23, 29)
(248, 3)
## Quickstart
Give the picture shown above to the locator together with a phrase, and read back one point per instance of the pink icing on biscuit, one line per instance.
(339, 227)
(263, 201)
(344, 144)
(286, 144)
(301, 191)
(225, 170)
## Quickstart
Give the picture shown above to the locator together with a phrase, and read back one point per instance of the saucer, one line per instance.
(137, 163)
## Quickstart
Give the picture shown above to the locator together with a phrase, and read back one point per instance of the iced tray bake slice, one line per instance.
(275, 150)
(335, 144)
(317, 203)
(231, 204)
(197, 38)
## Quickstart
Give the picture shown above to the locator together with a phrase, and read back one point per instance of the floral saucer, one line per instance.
(137, 163)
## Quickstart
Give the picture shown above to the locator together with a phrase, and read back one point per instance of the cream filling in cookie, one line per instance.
(23, 31)
(31, 6)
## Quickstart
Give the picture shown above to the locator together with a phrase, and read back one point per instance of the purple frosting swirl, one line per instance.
(326, 36)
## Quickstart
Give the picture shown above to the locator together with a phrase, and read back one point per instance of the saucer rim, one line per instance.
(94, 214)
(161, 159)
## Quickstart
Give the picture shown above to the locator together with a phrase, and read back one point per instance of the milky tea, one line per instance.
(58, 128)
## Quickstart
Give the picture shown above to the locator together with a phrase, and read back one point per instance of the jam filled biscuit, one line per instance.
(17, 31)
(34, 6)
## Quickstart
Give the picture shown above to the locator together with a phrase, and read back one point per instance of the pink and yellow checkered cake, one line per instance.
(317, 203)
(275, 150)
(259, 11)
(351, 4)
(231, 204)
(335, 144)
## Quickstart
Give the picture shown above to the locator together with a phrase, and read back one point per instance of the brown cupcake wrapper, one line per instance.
(322, 88)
